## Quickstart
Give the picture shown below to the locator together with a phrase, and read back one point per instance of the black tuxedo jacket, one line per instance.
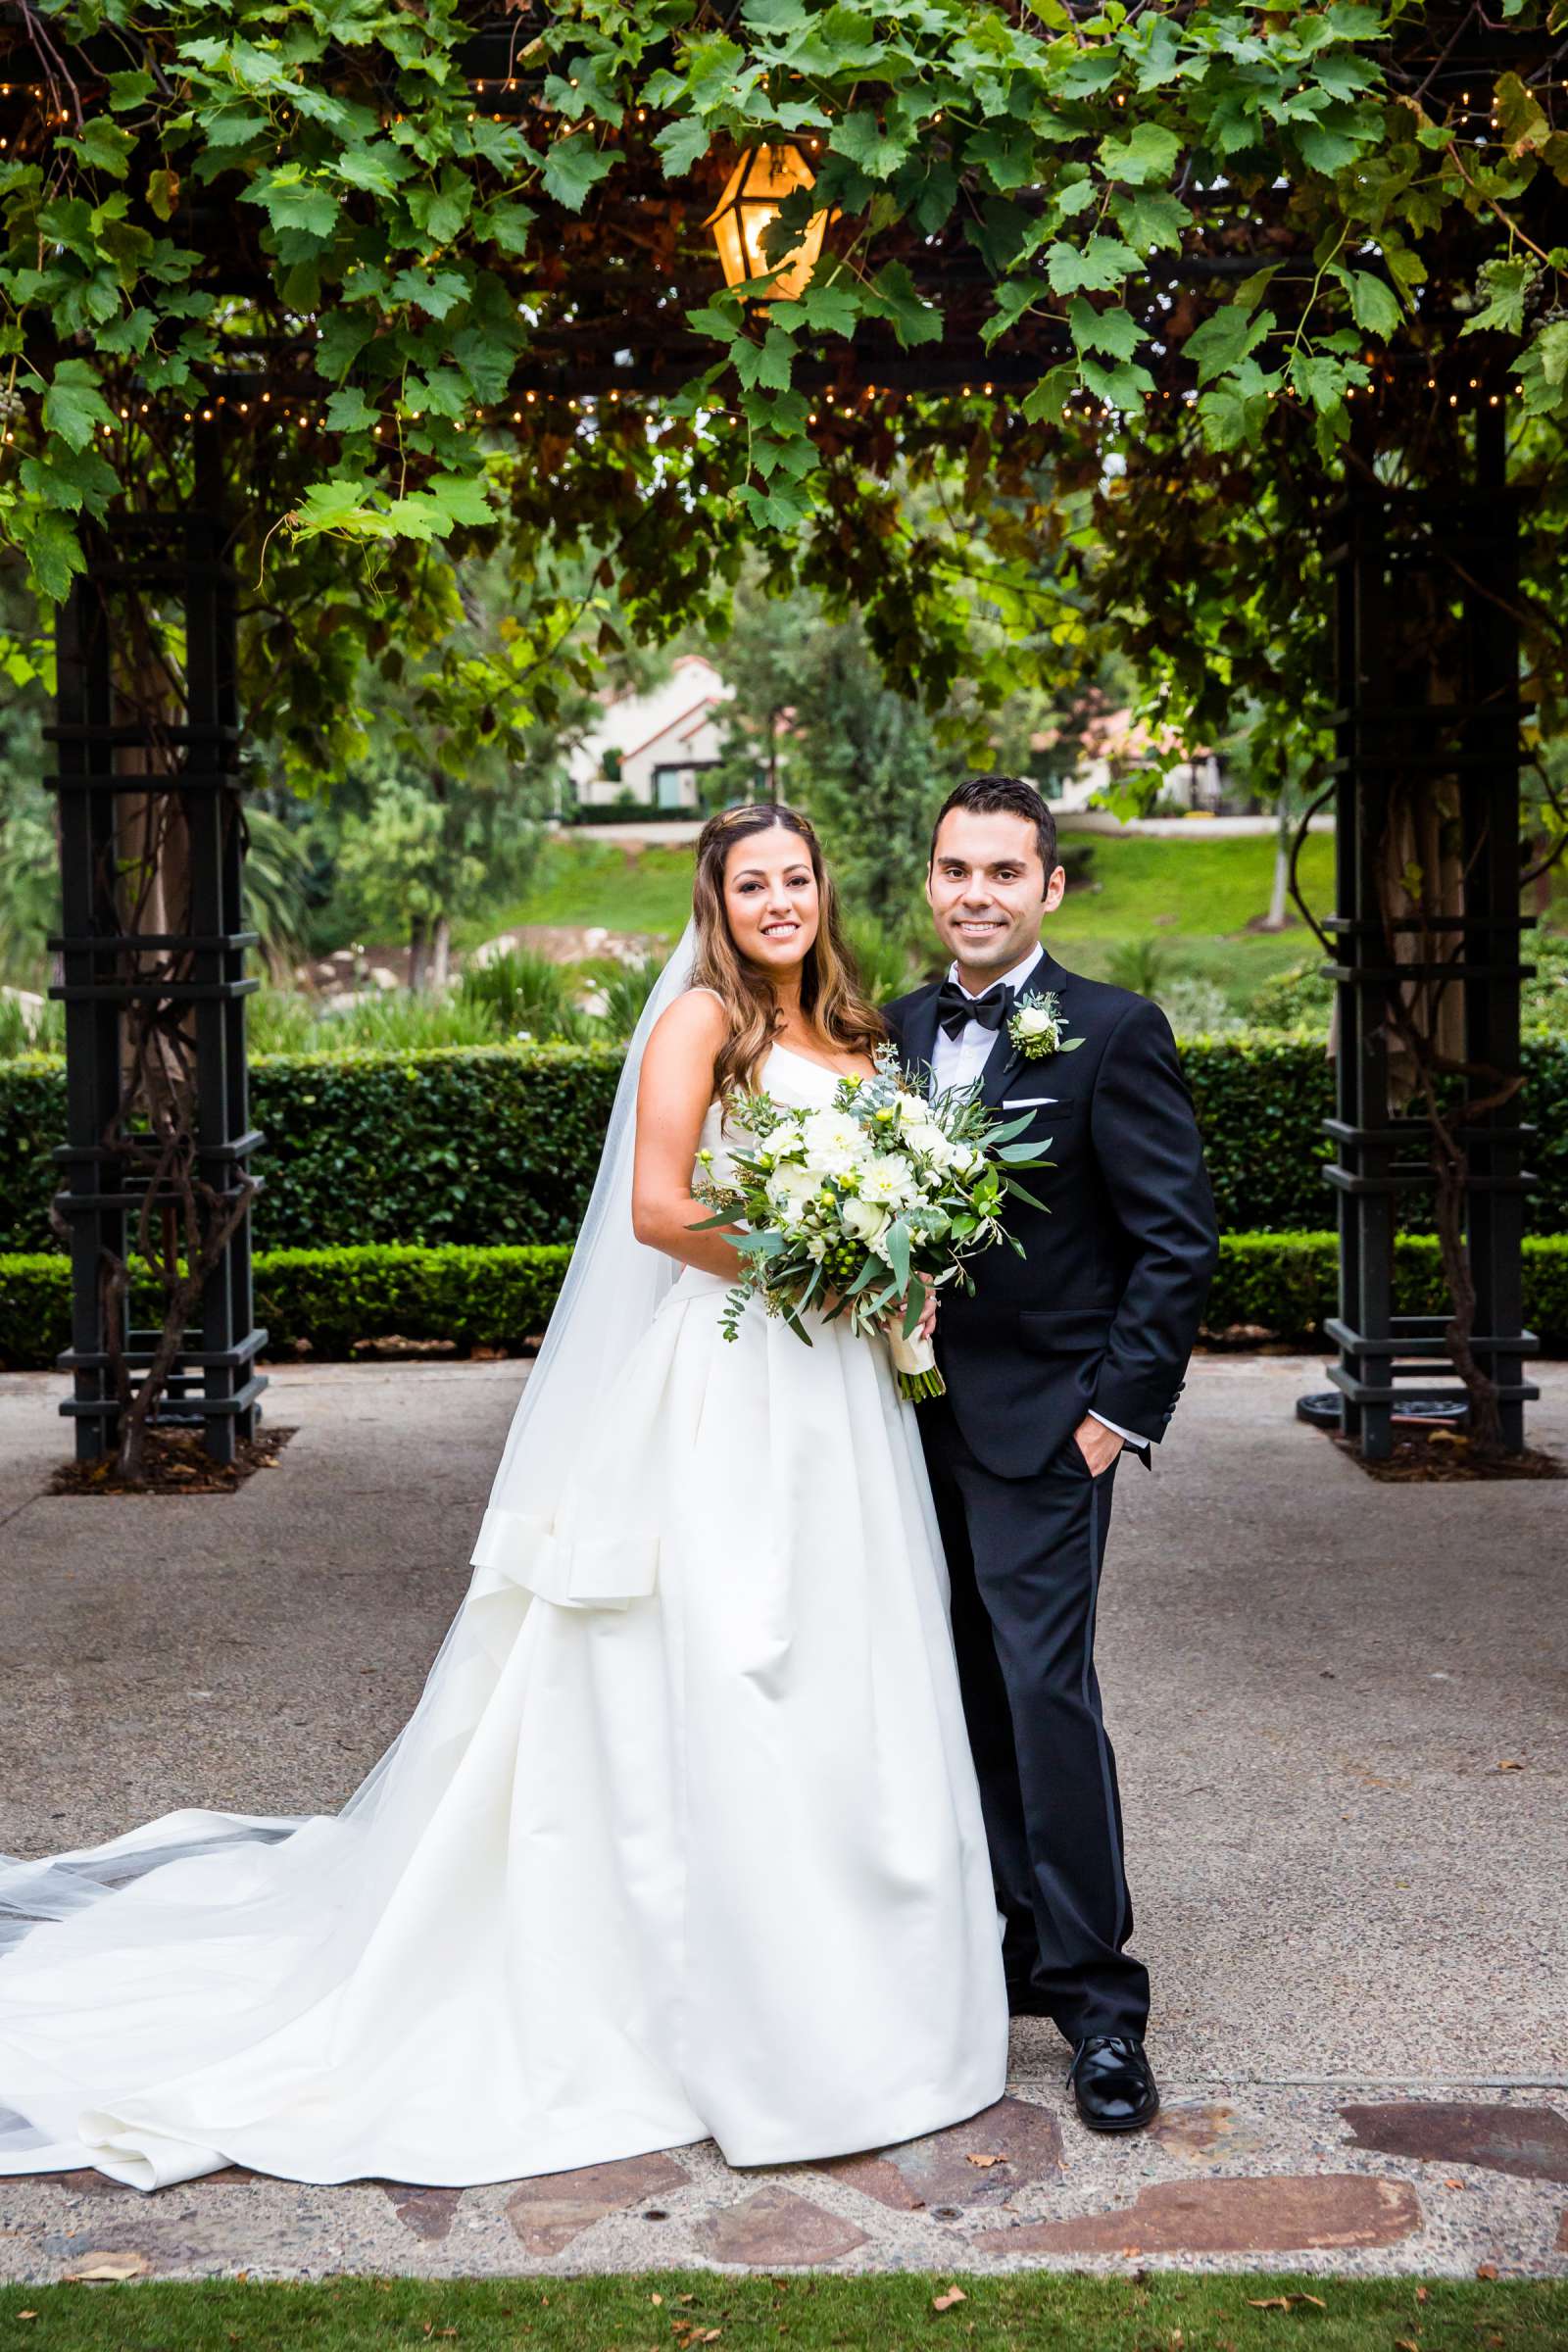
(1103, 1307)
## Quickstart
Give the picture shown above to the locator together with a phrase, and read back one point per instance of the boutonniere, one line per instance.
(1035, 1027)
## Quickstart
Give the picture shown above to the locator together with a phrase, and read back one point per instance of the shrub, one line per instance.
(626, 991)
(521, 993)
(1138, 963)
(1301, 997)
(1196, 1008)
(499, 1143)
(325, 1300)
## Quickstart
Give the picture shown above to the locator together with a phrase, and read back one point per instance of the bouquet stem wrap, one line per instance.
(915, 1363)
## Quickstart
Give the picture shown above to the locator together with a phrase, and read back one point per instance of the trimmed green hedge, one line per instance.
(480, 1143)
(324, 1300)
(1260, 1099)
(1287, 1283)
(488, 1144)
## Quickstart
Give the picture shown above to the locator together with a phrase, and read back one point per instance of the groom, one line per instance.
(1060, 1359)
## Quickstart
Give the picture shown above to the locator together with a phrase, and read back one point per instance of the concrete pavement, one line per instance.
(1338, 1712)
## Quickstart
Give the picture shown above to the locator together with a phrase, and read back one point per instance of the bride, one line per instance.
(682, 1838)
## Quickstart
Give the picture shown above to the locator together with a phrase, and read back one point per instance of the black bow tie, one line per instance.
(957, 1009)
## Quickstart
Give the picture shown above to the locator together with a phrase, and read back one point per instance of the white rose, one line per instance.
(865, 1220)
(1033, 1020)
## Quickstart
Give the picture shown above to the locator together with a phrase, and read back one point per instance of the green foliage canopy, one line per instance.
(1200, 230)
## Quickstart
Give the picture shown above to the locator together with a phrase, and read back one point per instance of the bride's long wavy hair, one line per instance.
(831, 997)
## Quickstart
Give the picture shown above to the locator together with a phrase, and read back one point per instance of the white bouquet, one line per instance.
(866, 1207)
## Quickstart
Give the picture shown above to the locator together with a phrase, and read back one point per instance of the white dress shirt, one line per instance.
(958, 1061)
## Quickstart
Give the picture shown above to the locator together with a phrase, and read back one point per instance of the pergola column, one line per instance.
(1426, 596)
(116, 739)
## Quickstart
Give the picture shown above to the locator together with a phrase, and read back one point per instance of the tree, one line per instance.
(813, 722)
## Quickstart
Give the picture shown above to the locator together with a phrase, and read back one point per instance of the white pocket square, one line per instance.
(1027, 1102)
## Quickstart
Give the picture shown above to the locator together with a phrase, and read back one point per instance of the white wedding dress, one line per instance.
(707, 1863)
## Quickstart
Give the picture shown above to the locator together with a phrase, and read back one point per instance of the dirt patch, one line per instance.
(1446, 1455)
(176, 1463)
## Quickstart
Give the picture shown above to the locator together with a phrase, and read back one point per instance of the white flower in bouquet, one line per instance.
(791, 1184)
(872, 1205)
(928, 1144)
(834, 1143)
(888, 1180)
(865, 1220)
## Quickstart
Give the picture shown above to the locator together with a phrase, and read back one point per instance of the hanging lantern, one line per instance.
(757, 188)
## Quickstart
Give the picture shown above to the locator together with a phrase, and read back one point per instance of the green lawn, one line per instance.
(1188, 888)
(595, 882)
(669, 2311)
(1191, 897)
(1184, 887)
(1194, 897)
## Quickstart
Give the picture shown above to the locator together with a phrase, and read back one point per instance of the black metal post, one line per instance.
(213, 1383)
(1461, 553)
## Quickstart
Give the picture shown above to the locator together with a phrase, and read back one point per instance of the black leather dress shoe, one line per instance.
(1113, 2082)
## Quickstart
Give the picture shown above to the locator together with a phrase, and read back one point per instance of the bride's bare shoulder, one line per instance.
(691, 1029)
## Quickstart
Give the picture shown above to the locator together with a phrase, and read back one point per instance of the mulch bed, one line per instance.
(1444, 1455)
(176, 1462)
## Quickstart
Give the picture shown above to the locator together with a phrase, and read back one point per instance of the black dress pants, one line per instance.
(1024, 1557)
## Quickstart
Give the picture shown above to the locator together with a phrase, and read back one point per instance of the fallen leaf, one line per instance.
(1130, 2253)
(1510, 1764)
(26, 2314)
(984, 2161)
(1423, 2294)
(946, 2301)
(1405, 2343)
(1270, 2302)
(108, 2266)
(1486, 2270)
(1454, 2185)
(656, 2298)
(1304, 2297)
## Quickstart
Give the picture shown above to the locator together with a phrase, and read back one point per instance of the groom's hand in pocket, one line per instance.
(1098, 1445)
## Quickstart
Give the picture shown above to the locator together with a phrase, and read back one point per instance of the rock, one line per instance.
(936, 2170)
(1267, 2214)
(428, 2212)
(549, 2211)
(1530, 2142)
(775, 2228)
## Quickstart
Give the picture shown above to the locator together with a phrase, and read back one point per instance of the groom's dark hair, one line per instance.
(992, 795)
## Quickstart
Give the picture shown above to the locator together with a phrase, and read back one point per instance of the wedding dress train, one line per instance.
(706, 1863)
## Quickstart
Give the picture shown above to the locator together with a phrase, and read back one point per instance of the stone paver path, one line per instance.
(1258, 2179)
